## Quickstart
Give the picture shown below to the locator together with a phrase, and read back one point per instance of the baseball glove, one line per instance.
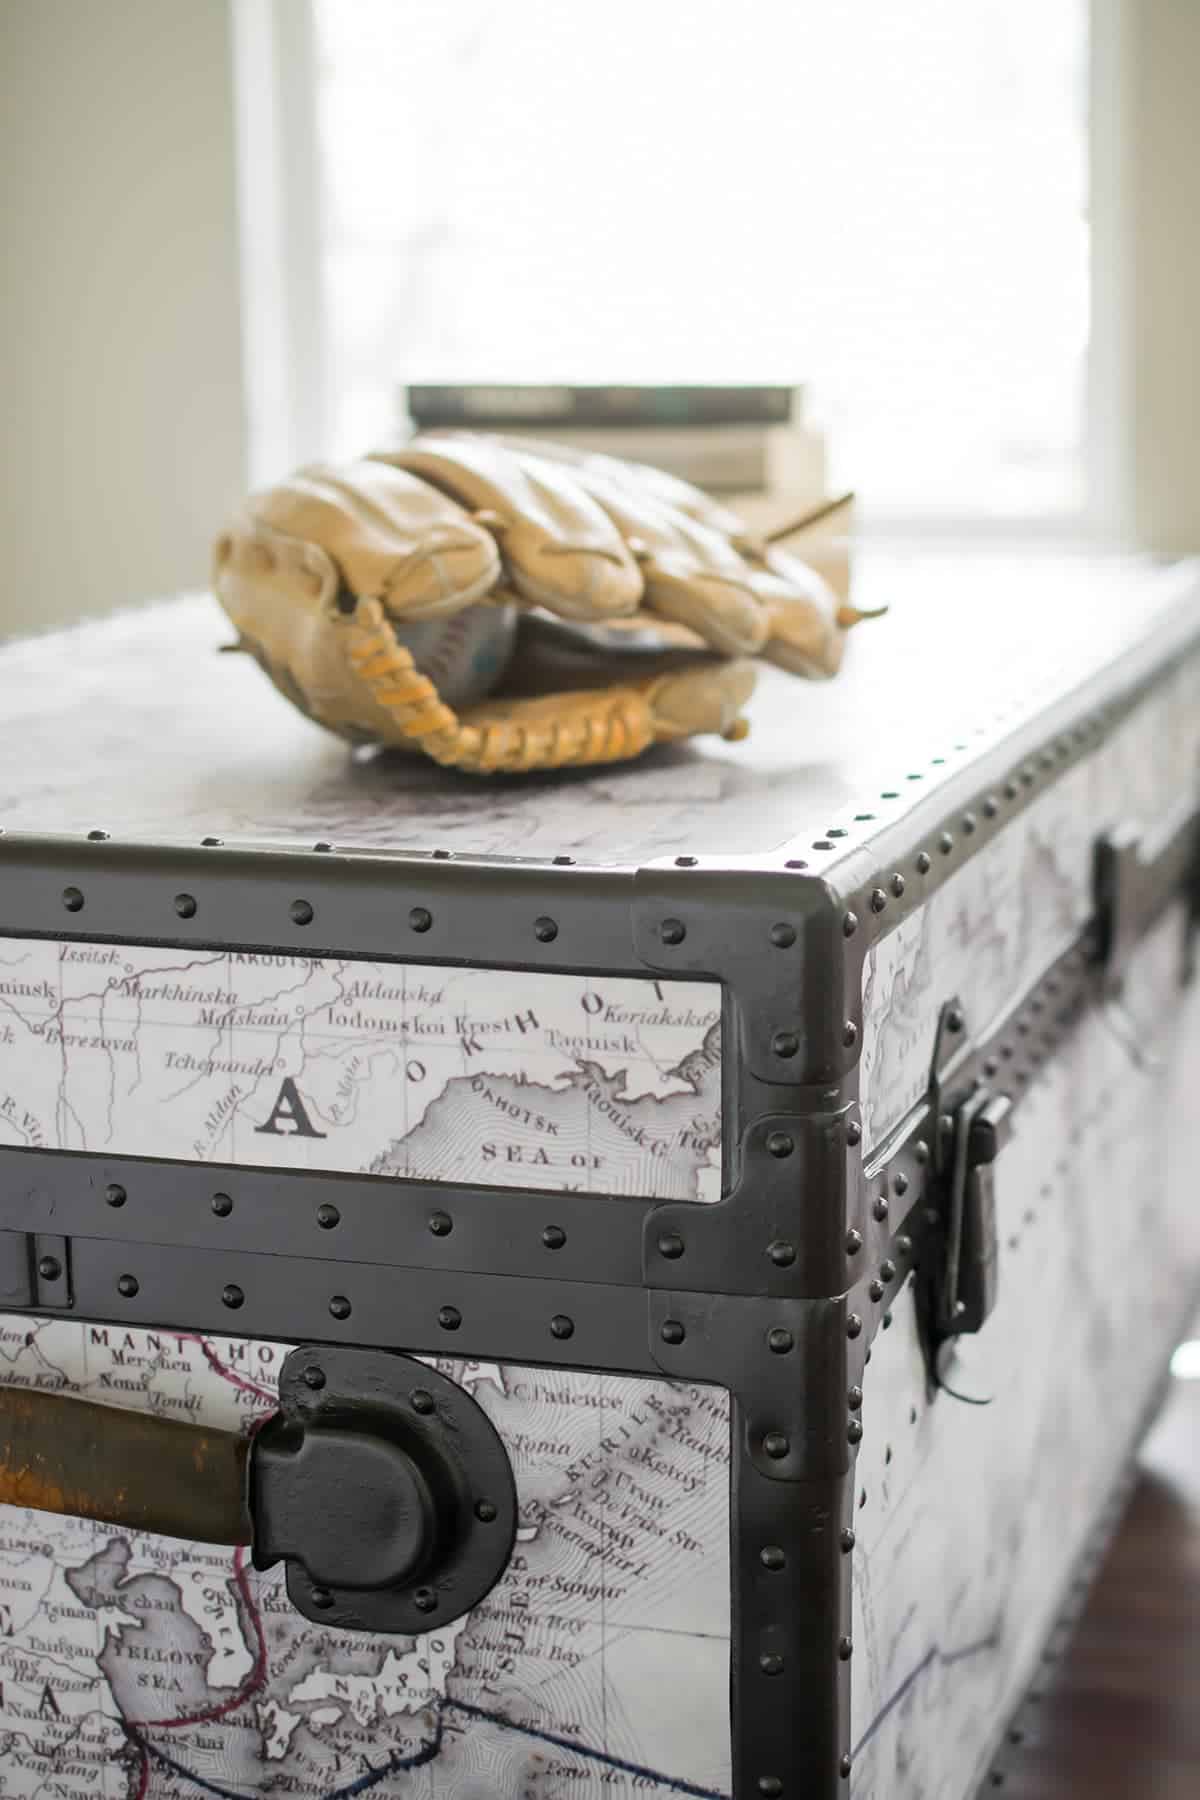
(507, 606)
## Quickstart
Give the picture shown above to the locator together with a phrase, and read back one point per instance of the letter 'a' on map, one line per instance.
(589, 1083)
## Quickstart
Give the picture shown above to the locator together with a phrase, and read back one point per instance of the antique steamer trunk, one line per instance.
(779, 1157)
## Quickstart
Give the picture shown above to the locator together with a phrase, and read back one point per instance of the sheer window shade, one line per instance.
(887, 203)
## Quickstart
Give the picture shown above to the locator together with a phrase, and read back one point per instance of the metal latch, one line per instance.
(976, 1133)
(1137, 874)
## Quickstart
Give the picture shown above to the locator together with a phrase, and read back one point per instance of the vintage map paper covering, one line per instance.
(605, 1085)
(142, 1666)
(988, 934)
(969, 1518)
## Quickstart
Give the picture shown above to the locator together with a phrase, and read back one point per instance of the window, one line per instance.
(887, 203)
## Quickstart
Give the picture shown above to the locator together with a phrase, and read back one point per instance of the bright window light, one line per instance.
(1185, 1364)
(887, 202)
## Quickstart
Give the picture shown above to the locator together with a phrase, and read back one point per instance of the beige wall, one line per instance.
(119, 321)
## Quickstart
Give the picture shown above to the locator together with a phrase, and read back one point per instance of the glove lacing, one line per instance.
(614, 726)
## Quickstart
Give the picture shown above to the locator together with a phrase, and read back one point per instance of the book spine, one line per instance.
(496, 407)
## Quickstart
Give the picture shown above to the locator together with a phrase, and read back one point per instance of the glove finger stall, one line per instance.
(558, 547)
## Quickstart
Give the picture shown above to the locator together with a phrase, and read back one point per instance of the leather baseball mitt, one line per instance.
(508, 606)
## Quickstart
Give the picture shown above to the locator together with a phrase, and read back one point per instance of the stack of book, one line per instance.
(727, 440)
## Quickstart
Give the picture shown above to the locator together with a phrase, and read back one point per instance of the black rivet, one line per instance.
(72, 899)
(485, 1512)
(1011, 790)
(889, 794)
(328, 1216)
(561, 1326)
(545, 930)
(836, 831)
(844, 1768)
(554, 1237)
(672, 1332)
(442, 855)
(924, 862)
(770, 1785)
(776, 1445)
(897, 885)
(323, 848)
(772, 1557)
(849, 1034)
(780, 1144)
(854, 1431)
(785, 1043)
(114, 1194)
(795, 863)
(685, 862)
(849, 924)
(300, 912)
(853, 1132)
(425, 1600)
(854, 1242)
(991, 807)
(441, 1224)
(822, 844)
(49, 1268)
(879, 1209)
(876, 1290)
(420, 918)
(314, 1377)
(563, 862)
(672, 931)
(954, 1019)
(210, 843)
(848, 1542)
(853, 1325)
(449, 1318)
(900, 1184)
(222, 1205)
(670, 1245)
(887, 1270)
(783, 936)
(854, 1398)
(887, 1326)
(780, 1340)
(878, 900)
(969, 823)
(422, 1400)
(781, 1253)
(232, 1296)
(945, 843)
(97, 837)
(845, 1649)
(921, 1151)
(339, 1307)
(903, 1246)
(1027, 776)
(321, 1597)
(863, 818)
(770, 1663)
(185, 906)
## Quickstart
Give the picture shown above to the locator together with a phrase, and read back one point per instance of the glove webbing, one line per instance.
(595, 727)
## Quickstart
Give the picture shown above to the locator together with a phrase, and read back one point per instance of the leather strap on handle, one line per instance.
(132, 1469)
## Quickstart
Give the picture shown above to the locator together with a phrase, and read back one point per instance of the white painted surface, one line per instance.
(120, 351)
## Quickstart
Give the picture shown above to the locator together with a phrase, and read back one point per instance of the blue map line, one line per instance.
(398, 1764)
(933, 1655)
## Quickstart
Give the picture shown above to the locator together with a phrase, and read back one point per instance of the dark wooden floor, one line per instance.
(1120, 1715)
